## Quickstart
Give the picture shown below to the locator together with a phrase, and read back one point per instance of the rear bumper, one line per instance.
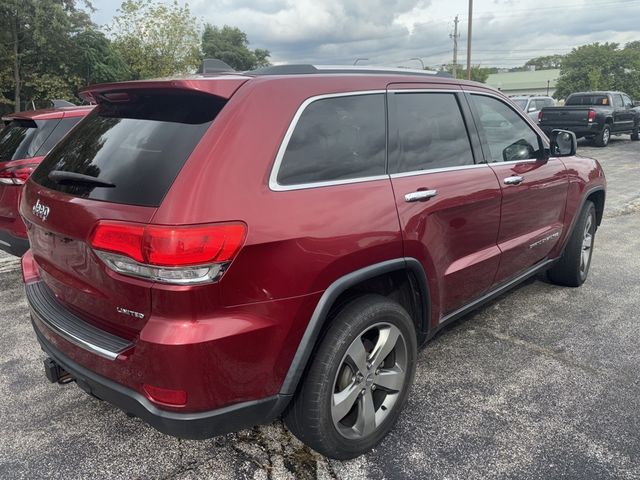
(12, 244)
(580, 130)
(184, 425)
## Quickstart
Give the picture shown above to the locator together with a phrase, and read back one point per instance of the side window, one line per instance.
(507, 136)
(60, 131)
(617, 101)
(627, 101)
(336, 138)
(427, 131)
(549, 103)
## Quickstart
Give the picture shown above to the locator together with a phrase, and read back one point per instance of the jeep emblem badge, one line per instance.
(40, 210)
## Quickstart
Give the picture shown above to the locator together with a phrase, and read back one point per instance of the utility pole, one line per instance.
(469, 40)
(455, 35)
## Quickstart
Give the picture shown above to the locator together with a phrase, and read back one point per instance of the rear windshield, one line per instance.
(587, 100)
(22, 139)
(138, 145)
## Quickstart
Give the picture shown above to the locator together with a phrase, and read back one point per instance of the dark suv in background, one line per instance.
(25, 139)
(213, 252)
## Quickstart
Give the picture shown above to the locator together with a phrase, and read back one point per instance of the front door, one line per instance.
(534, 188)
(448, 205)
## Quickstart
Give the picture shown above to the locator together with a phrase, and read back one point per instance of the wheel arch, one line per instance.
(347, 287)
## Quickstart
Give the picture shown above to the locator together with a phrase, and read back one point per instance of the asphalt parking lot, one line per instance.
(542, 383)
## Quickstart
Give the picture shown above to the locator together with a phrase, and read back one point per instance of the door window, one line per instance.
(427, 131)
(627, 102)
(506, 135)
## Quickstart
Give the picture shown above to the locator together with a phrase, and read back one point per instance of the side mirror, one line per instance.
(532, 109)
(563, 143)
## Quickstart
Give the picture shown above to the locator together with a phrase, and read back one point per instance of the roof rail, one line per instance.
(307, 69)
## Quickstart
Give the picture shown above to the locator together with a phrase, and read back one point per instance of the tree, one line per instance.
(37, 35)
(601, 67)
(230, 44)
(545, 63)
(96, 60)
(478, 73)
(155, 39)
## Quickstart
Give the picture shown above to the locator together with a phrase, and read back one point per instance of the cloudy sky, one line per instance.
(392, 32)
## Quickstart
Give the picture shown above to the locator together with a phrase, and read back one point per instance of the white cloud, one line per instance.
(506, 32)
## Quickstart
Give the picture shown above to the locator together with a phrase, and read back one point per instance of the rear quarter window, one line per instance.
(139, 145)
(336, 138)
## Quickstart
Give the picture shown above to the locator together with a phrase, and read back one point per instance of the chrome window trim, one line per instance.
(423, 90)
(514, 162)
(273, 177)
(437, 170)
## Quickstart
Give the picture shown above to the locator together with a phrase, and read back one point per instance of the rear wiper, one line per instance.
(67, 178)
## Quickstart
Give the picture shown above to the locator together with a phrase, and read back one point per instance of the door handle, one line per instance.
(513, 180)
(420, 195)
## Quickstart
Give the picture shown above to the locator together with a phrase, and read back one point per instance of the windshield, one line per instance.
(21, 139)
(520, 102)
(138, 145)
(587, 100)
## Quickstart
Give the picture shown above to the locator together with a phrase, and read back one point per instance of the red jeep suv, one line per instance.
(213, 252)
(24, 141)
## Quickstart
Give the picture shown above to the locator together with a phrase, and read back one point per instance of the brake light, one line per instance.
(180, 255)
(592, 115)
(539, 116)
(16, 175)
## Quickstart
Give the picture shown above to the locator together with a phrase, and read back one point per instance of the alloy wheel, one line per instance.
(587, 246)
(371, 376)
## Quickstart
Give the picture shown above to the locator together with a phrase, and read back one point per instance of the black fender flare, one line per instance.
(320, 314)
(588, 193)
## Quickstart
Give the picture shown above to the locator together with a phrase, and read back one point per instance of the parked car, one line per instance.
(212, 253)
(533, 104)
(594, 115)
(25, 139)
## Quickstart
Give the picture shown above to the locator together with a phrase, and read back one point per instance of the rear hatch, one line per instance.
(117, 165)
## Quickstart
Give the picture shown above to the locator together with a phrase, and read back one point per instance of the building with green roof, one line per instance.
(530, 82)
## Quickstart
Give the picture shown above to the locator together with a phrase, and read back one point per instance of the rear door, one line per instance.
(449, 206)
(135, 146)
(534, 190)
(622, 117)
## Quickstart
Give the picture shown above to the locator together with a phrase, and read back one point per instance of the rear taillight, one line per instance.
(539, 116)
(16, 175)
(592, 115)
(168, 254)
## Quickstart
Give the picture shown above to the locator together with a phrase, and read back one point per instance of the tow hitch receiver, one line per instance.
(55, 373)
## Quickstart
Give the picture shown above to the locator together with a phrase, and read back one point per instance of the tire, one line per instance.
(344, 367)
(602, 139)
(573, 267)
(635, 135)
